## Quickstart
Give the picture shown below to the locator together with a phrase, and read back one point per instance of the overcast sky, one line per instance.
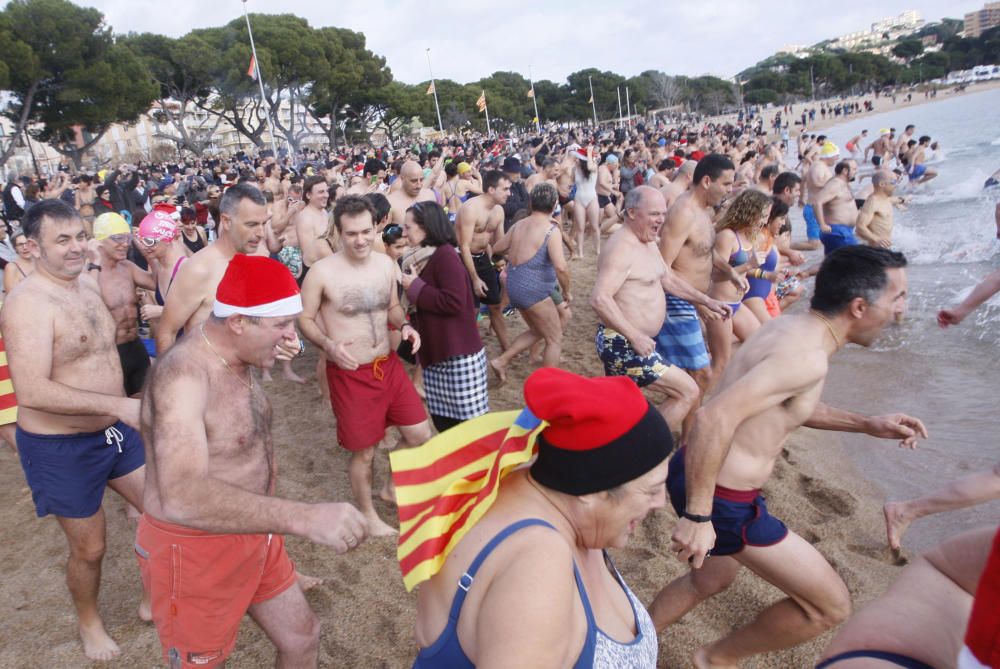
(470, 39)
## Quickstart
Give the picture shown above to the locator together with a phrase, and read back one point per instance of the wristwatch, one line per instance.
(695, 518)
(91, 266)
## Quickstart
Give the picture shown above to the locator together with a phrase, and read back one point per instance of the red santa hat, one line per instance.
(257, 286)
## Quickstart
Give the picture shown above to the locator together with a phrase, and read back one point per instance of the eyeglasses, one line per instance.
(148, 242)
(123, 238)
(20, 245)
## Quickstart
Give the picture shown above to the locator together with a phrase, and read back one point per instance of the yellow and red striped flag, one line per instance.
(481, 102)
(430, 89)
(531, 92)
(445, 486)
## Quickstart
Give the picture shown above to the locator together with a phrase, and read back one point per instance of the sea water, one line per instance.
(948, 378)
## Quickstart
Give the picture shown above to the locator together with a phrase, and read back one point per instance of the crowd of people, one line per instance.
(141, 300)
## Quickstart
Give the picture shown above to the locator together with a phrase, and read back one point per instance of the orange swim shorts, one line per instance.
(202, 584)
(370, 398)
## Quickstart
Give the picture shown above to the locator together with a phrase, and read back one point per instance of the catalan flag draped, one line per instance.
(481, 102)
(445, 486)
(8, 402)
(430, 89)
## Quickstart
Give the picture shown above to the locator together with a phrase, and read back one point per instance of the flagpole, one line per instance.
(628, 108)
(621, 119)
(486, 108)
(534, 100)
(260, 82)
(433, 88)
(593, 105)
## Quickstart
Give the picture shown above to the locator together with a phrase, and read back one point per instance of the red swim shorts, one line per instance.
(202, 584)
(370, 398)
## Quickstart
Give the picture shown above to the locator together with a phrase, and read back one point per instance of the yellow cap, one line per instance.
(885, 131)
(464, 167)
(829, 150)
(110, 224)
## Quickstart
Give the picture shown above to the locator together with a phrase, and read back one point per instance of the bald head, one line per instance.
(412, 176)
(686, 170)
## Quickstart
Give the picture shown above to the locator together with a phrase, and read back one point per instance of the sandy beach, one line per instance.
(367, 615)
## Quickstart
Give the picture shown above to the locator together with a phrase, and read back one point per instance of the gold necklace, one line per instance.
(230, 369)
(829, 327)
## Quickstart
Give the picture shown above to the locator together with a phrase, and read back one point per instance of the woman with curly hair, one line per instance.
(733, 258)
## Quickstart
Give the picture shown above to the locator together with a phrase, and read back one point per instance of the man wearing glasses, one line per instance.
(119, 278)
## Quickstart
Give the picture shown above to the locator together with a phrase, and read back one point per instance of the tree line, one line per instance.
(64, 70)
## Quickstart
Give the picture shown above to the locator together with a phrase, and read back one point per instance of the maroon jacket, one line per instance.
(446, 308)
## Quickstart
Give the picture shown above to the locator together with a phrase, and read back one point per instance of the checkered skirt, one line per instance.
(456, 387)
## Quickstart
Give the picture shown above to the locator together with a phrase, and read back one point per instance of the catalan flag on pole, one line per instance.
(481, 102)
(430, 89)
(444, 487)
(531, 92)
(252, 70)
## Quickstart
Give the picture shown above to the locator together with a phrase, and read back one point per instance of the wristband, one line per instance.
(695, 518)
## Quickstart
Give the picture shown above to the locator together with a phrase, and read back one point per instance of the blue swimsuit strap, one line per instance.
(895, 658)
(465, 581)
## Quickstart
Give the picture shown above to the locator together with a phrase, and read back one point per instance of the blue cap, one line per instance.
(662, 141)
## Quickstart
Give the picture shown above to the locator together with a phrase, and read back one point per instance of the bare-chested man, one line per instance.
(118, 278)
(881, 149)
(681, 182)
(411, 191)
(73, 431)
(686, 242)
(313, 221)
(666, 170)
(772, 386)
(210, 543)
(629, 300)
(835, 208)
(874, 224)
(608, 194)
(919, 172)
(243, 211)
(480, 222)
(818, 174)
(352, 293)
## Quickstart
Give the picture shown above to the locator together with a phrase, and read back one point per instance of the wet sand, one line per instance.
(366, 614)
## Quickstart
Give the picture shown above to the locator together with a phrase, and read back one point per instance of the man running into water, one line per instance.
(771, 387)
(853, 145)
(880, 149)
(820, 172)
(835, 208)
(210, 542)
(480, 220)
(73, 423)
(352, 293)
(243, 211)
(874, 224)
(918, 172)
(686, 242)
(629, 300)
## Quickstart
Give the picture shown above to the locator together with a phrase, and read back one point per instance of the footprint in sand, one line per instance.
(827, 498)
(877, 553)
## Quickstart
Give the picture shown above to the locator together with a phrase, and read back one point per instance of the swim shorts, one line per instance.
(812, 225)
(620, 359)
(680, 341)
(838, 237)
(739, 517)
(605, 200)
(135, 364)
(876, 160)
(291, 257)
(67, 473)
(486, 271)
(8, 401)
(370, 398)
(917, 172)
(202, 584)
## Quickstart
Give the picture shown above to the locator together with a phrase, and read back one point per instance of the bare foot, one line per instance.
(895, 524)
(700, 661)
(97, 645)
(307, 583)
(499, 370)
(290, 375)
(378, 528)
